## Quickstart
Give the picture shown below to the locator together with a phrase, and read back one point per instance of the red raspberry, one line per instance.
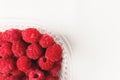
(55, 70)
(18, 73)
(33, 67)
(28, 69)
(25, 78)
(49, 77)
(1, 39)
(54, 53)
(45, 64)
(36, 75)
(5, 49)
(7, 65)
(31, 35)
(2, 77)
(12, 35)
(34, 51)
(59, 62)
(23, 63)
(12, 78)
(19, 48)
(1, 33)
(46, 41)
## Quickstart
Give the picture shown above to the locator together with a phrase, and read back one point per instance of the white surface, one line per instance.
(92, 26)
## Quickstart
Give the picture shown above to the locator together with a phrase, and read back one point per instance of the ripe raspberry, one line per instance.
(7, 65)
(36, 75)
(25, 78)
(12, 78)
(23, 63)
(5, 49)
(31, 35)
(34, 51)
(26, 64)
(54, 53)
(19, 48)
(49, 77)
(46, 41)
(1, 39)
(33, 67)
(1, 33)
(59, 62)
(12, 35)
(18, 73)
(55, 70)
(45, 64)
(2, 77)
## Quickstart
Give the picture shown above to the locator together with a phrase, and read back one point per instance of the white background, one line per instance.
(92, 27)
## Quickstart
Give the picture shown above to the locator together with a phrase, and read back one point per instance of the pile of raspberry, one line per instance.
(29, 55)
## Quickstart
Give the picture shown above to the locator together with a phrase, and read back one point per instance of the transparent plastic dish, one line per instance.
(65, 73)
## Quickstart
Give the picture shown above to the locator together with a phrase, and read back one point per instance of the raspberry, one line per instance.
(46, 41)
(49, 77)
(45, 64)
(18, 73)
(34, 51)
(18, 48)
(2, 77)
(55, 70)
(12, 35)
(36, 75)
(54, 53)
(33, 67)
(31, 35)
(25, 78)
(23, 63)
(5, 49)
(12, 78)
(1, 33)
(7, 65)
(59, 62)
(20, 55)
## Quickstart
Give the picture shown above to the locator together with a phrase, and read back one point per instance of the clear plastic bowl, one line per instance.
(65, 73)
